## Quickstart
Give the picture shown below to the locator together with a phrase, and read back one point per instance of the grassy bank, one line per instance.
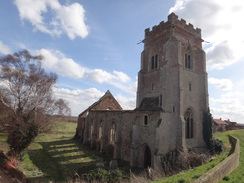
(56, 156)
(236, 176)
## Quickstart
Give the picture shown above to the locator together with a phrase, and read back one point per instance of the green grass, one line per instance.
(61, 127)
(238, 174)
(56, 156)
(191, 175)
(3, 143)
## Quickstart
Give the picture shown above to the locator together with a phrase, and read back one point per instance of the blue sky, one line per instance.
(92, 45)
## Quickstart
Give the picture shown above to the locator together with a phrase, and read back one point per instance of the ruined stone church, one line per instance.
(172, 96)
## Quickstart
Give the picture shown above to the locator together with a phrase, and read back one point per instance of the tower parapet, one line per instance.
(173, 21)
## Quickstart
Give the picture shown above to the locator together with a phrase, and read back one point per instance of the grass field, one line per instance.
(56, 156)
(236, 176)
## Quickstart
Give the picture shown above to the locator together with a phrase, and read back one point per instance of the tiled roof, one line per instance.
(220, 122)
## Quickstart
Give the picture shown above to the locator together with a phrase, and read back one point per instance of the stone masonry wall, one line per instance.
(225, 167)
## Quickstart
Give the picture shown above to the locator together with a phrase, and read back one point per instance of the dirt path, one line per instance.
(4, 178)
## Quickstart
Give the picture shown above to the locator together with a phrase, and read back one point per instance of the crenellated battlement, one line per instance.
(174, 20)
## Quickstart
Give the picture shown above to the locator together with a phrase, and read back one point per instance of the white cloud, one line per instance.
(127, 103)
(102, 76)
(58, 62)
(228, 106)
(220, 24)
(72, 19)
(224, 84)
(4, 49)
(79, 100)
(68, 19)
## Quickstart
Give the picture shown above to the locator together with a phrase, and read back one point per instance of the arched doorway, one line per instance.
(147, 157)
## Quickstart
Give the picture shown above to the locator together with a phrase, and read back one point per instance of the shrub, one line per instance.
(3, 159)
(103, 175)
(181, 181)
(226, 178)
(114, 176)
(217, 146)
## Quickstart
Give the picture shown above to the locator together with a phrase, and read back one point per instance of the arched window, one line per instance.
(92, 129)
(100, 130)
(154, 62)
(188, 61)
(189, 123)
(113, 133)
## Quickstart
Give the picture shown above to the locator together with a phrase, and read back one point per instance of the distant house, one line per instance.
(219, 125)
(106, 102)
(240, 126)
(231, 125)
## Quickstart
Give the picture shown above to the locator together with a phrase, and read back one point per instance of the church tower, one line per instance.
(173, 80)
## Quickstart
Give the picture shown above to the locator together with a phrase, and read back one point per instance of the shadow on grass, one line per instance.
(59, 160)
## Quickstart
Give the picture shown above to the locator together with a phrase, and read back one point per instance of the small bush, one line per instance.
(182, 181)
(114, 176)
(103, 175)
(3, 159)
(217, 146)
(226, 178)
(196, 176)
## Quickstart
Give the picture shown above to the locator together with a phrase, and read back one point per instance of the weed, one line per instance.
(182, 181)
(226, 178)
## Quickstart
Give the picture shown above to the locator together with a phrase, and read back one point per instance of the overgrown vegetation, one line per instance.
(235, 177)
(214, 145)
(177, 161)
(103, 175)
(26, 101)
(55, 156)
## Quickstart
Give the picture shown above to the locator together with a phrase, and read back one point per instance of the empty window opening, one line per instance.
(173, 109)
(189, 86)
(188, 61)
(92, 130)
(145, 119)
(100, 130)
(152, 86)
(112, 133)
(189, 123)
(154, 62)
(161, 100)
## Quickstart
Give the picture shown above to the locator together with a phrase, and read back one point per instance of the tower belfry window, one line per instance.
(188, 61)
(154, 62)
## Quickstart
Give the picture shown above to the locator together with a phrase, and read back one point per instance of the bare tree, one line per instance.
(26, 97)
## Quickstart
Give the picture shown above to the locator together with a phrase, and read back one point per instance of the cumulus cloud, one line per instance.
(102, 76)
(220, 24)
(127, 103)
(79, 99)
(4, 49)
(58, 62)
(223, 84)
(116, 78)
(228, 106)
(69, 19)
